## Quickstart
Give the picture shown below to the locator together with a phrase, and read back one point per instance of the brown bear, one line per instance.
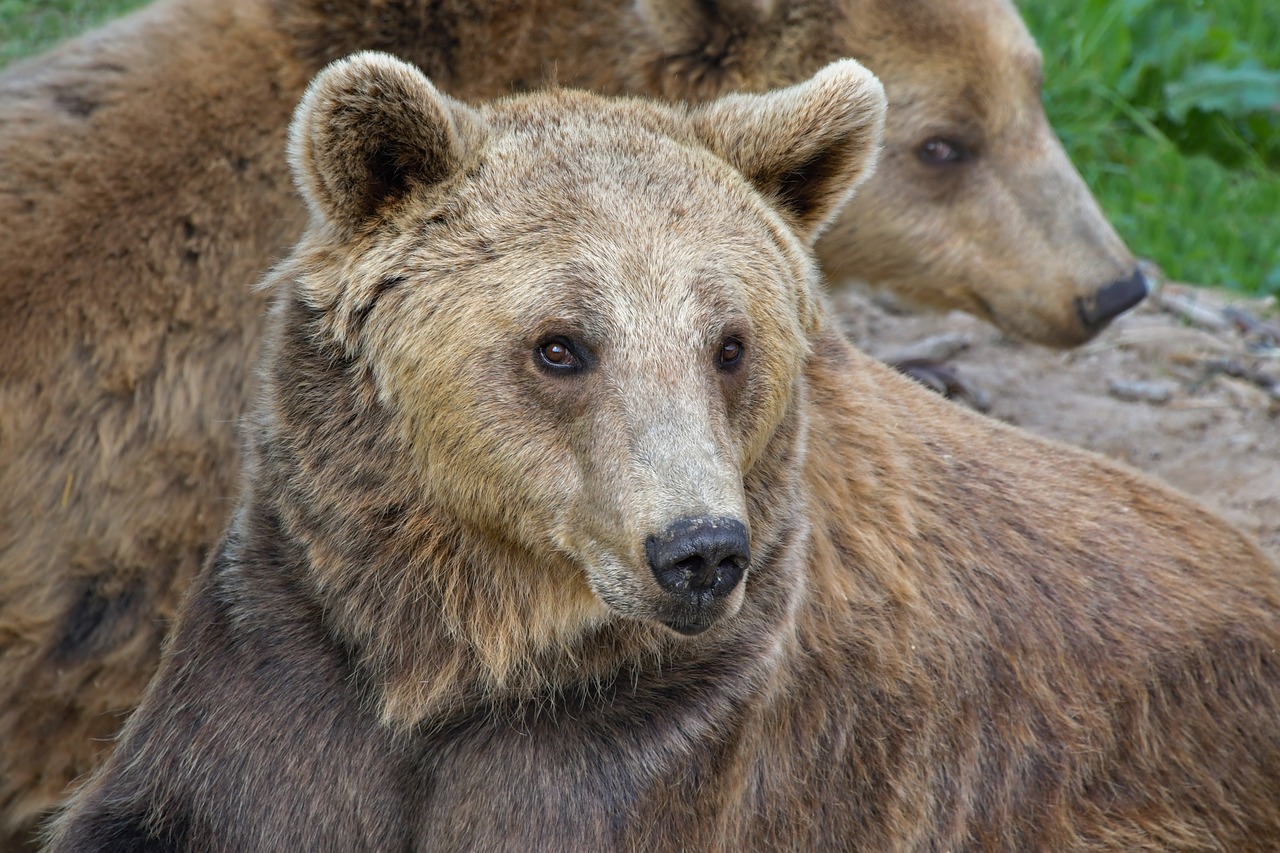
(569, 523)
(143, 190)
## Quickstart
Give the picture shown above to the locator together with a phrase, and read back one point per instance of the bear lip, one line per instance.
(691, 617)
(688, 628)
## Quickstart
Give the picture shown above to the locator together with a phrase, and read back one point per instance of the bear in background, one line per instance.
(570, 523)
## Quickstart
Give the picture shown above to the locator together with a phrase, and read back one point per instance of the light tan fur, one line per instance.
(143, 189)
(435, 621)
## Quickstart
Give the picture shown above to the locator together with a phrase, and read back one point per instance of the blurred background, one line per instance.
(1170, 108)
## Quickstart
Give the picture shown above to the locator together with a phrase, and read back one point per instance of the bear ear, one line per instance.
(807, 147)
(370, 129)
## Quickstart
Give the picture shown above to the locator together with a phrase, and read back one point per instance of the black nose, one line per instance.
(1112, 300)
(699, 557)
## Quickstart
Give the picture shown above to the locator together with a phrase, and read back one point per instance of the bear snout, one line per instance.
(1112, 300)
(699, 561)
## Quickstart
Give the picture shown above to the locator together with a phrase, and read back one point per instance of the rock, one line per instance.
(941, 347)
(1191, 310)
(1142, 392)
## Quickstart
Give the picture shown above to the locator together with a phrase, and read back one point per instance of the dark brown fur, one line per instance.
(953, 636)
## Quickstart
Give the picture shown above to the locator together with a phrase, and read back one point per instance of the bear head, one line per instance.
(975, 205)
(570, 335)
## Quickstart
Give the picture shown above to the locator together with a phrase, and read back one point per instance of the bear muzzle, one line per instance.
(698, 562)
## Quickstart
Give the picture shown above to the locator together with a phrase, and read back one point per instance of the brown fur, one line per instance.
(142, 189)
(431, 624)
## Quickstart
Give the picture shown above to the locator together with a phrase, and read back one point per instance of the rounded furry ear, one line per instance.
(806, 147)
(369, 129)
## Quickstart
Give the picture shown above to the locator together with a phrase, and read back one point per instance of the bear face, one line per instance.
(1001, 225)
(637, 286)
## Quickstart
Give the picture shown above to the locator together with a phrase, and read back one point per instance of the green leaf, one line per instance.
(1234, 92)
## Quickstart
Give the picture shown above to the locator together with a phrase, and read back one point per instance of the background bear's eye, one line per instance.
(557, 354)
(731, 352)
(939, 151)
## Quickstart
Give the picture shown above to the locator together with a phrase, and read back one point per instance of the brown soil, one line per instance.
(1186, 387)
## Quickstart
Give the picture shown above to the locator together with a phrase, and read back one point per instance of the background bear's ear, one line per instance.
(370, 129)
(807, 147)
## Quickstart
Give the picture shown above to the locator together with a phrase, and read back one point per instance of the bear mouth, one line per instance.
(688, 627)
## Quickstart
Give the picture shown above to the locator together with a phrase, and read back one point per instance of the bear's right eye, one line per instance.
(940, 151)
(557, 354)
(730, 353)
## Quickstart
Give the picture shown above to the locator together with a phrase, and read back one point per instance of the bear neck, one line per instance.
(440, 617)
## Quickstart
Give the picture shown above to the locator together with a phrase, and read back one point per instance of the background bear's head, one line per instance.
(570, 333)
(975, 205)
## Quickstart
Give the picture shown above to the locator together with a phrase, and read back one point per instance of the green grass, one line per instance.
(29, 26)
(1172, 112)
(1170, 108)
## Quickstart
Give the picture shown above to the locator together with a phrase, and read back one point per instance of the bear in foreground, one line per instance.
(143, 189)
(570, 523)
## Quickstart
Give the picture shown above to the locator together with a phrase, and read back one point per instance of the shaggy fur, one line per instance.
(431, 624)
(143, 190)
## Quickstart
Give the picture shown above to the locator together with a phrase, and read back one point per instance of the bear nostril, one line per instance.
(692, 572)
(1112, 300)
(695, 556)
(697, 574)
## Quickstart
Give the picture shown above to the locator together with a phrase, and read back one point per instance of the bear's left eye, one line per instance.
(731, 352)
(557, 354)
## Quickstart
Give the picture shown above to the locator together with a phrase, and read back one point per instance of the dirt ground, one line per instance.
(1185, 387)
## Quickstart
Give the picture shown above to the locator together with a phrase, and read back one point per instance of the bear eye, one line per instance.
(938, 151)
(731, 353)
(557, 354)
